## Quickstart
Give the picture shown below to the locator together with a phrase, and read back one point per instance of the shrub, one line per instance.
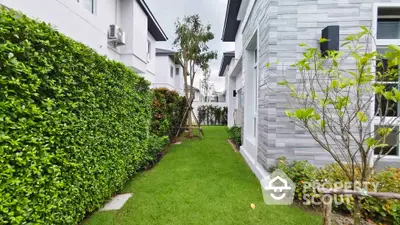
(299, 172)
(385, 210)
(212, 115)
(74, 125)
(380, 210)
(155, 148)
(235, 134)
(168, 110)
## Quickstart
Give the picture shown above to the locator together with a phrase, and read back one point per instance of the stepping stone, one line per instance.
(117, 202)
(178, 143)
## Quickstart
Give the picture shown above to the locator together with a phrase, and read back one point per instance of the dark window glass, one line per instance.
(388, 29)
(384, 107)
(391, 140)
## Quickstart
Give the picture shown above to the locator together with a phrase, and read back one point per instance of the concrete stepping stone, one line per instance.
(117, 202)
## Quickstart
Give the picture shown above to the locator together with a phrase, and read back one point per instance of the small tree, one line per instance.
(350, 111)
(207, 87)
(191, 41)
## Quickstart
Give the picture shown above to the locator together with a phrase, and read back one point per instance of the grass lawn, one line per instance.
(200, 182)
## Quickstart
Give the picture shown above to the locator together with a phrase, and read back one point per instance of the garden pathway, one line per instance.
(200, 182)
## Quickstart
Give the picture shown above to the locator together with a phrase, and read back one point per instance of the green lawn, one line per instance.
(200, 182)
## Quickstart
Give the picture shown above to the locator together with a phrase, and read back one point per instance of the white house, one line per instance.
(89, 21)
(267, 31)
(231, 69)
(169, 72)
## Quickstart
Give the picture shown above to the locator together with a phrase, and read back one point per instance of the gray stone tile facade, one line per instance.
(283, 25)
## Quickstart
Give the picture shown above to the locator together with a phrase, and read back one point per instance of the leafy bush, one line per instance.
(212, 115)
(299, 172)
(385, 210)
(155, 147)
(168, 110)
(74, 125)
(235, 134)
(381, 210)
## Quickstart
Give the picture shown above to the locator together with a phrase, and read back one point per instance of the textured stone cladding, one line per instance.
(282, 26)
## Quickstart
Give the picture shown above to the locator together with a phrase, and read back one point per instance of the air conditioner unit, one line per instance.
(116, 35)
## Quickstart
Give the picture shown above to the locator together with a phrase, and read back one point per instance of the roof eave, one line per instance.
(231, 24)
(153, 26)
(228, 56)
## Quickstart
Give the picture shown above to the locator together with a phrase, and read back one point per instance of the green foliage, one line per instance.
(298, 171)
(381, 210)
(212, 115)
(155, 148)
(75, 126)
(168, 110)
(235, 134)
(191, 41)
(385, 210)
(331, 94)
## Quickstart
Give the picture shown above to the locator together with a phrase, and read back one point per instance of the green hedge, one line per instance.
(168, 110)
(212, 115)
(74, 126)
(235, 134)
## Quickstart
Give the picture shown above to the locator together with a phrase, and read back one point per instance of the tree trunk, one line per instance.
(191, 96)
(357, 210)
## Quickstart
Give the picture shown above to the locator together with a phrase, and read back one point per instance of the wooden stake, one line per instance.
(327, 208)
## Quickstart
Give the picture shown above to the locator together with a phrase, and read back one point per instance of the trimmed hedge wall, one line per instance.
(168, 110)
(235, 134)
(212, 115)
(74, 126)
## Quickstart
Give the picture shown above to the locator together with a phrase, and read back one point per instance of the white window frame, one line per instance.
(94, 7)
(382, 43)
(177, 71)
(148, 50)
(172, 71)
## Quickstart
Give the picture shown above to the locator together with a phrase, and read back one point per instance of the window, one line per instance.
(255, 80)
(177, 71)
(388, 28)
(387, 25)
(88, 4)
(255, 73)
(383, 107)
(172, 72)
(148, 51)
(391, 140)
(240, 99)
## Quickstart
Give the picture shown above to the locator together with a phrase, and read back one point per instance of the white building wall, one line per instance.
(179, 82)
(140, 31)
(73, 20)
(151, 66)
(163, 74)
(134, 23)
(238, 42)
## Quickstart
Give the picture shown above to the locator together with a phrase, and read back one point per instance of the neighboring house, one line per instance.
(231, 69)
(198, 97)
(169, 72)
(218, 97)
(89, 22)
(267, 31)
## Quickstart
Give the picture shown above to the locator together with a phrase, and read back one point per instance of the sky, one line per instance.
(210, 11)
